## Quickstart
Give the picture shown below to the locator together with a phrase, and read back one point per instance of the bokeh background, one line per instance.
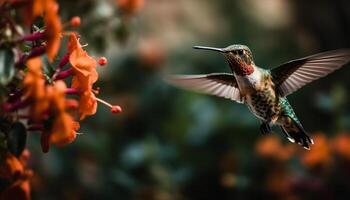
(173, 144)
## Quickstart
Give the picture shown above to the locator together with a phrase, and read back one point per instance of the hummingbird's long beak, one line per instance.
(209, 48)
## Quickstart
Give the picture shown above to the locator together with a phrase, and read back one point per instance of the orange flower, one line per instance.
(268, 146)
(87, 101)
(84, 76)
(53, 34)
(271, 147)
(13, 170)
(341, 145)
(73, 43)
(63, 127)
(151, 54)
(130, 7)
(320, 155)
(63, 130)
(53, 26)
(34, 87)
(39, 7)
(10, 166)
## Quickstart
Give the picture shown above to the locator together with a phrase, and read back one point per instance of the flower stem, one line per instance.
(10, 107)
(64, 60)
(32, 37)
(63, 74)
(36, 51)
(72, 91)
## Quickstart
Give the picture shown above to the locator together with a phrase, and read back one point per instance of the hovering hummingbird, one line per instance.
(264, 91)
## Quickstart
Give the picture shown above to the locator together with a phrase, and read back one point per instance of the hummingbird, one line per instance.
(265, 91)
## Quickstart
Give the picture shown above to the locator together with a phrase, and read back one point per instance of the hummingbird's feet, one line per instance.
(265, 128)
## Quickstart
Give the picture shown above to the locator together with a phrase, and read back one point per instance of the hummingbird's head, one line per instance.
(239, 57)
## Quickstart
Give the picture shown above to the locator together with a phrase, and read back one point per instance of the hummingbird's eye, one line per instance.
(240, 52)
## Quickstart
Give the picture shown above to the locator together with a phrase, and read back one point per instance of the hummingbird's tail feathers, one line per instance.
(295, 133)
(287, 135)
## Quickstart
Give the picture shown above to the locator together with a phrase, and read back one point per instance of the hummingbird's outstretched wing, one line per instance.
(219, 84)
(294, 74)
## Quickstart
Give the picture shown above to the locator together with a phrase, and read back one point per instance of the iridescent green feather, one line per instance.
(287, 110)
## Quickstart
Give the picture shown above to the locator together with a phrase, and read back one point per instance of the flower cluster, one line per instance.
(35, 95)
(327, 154)
(15, 175)
(321, 156)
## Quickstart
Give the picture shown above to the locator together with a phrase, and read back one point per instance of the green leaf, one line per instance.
(16, 139)
(7, 66)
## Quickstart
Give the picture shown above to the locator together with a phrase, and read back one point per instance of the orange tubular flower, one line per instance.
(53, 29)
(63, 128)
(13, 170)
(341, 145)
(84, 76)
(272, 148)
(10, 166)
(53, 33)
(320, 155)
(34, 86)
(268, 146)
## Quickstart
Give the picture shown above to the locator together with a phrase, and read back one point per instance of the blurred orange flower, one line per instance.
(53, 26)
(320, 155)
(84, 76)
(268, 146)
(272, 147)
(73, 43)
(130, 7)
(53, 34)
(341, 145)
(10, 167)
(13, 170)
(152, 53)
(34, 89)
(63, 128)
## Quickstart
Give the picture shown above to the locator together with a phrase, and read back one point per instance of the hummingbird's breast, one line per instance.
(251, 83)
(258, 92)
